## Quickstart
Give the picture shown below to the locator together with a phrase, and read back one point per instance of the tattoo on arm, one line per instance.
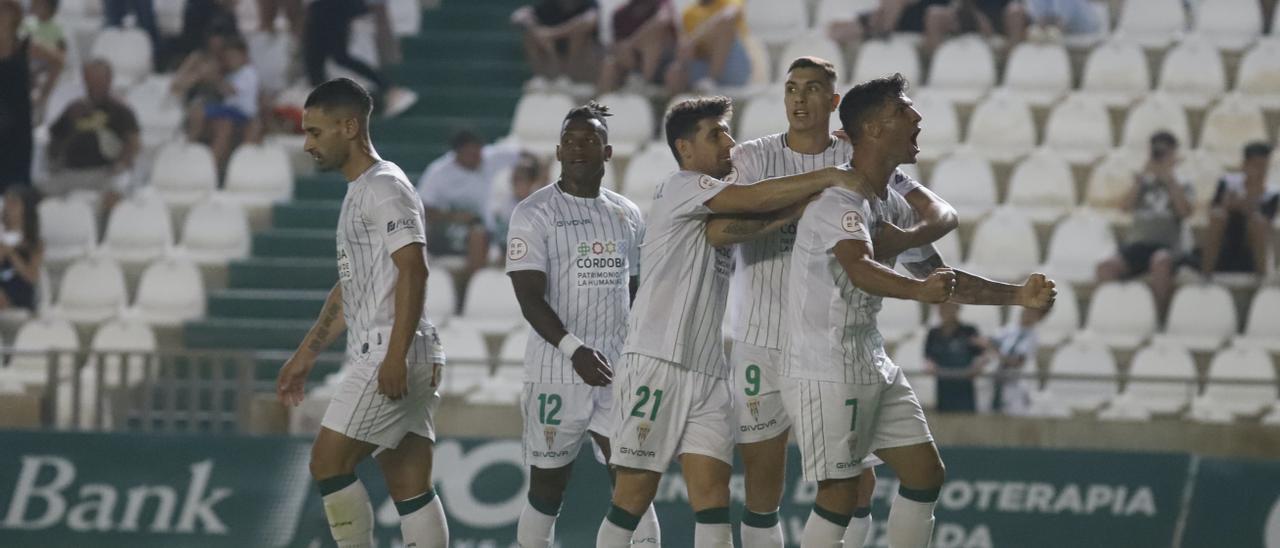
(320, 334)
(972, 289)
(744, 227)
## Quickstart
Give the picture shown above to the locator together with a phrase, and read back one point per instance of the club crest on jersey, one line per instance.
(705, 182)
(753, 405)
(517, 249)
(549, 433)
(851, 222)
(642, 431)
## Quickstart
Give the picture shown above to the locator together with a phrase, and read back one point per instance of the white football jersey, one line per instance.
(589, 249)
(756, 291)
(380, 214)
(685, 281)
(831, 324)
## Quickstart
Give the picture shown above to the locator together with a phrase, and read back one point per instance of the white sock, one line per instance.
(855, 536)
(648, 532)
(822, 531)
(910, 522)
(712, 535)
(535, 529)
(346, 506)
(761, 530)
(613, 535)
(422, 522)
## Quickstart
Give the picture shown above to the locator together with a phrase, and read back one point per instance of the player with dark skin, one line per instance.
(583, 151)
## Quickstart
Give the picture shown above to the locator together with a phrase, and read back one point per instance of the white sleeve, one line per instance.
(397, 211)
(688, 198)
(902, 183)
(835, 221)
(526, 240)
(633, 258)
(746, 165)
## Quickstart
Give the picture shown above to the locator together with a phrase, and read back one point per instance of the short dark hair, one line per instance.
(809, 61)
(1257, 148)
(464, 137)
(590, 111)
(683, 117)
(866, 98)
(1164, 137)
(341, 93)
(237, 42)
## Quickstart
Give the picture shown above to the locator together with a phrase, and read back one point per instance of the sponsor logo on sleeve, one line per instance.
(408, 222)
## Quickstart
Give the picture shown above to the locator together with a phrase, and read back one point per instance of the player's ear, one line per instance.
(608, 152)
(835, 102)
(685, 148)
(557, 153)
(350, 127)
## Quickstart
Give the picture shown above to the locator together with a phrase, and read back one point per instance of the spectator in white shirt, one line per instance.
(1016, 346)
(455, 192)
(222, 124)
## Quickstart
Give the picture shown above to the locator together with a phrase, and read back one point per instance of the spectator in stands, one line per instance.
(326, 36)
(46, 34)
(936, 20)
(530, 174)
(956, 354)
(21, 250)
(233, 117)
(94, 142)
(561, 41)
(455, 194)
(1244, 205)
(202, 19)
(15, 97)
(144, 13)
(1050, 20)
(644, 38)
(711, 50)
(1016, 348)
(1160, 201)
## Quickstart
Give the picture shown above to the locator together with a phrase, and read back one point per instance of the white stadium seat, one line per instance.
(948, 247)
(128, 51)
(112, 341)
(1201, 317)
(1156, 112)
(92, 290)
(158, 111)
(1262, 328)
(1042, 186)
(29, 364)
(139, 230)
(646, 171)
(536, 124)
(764, 114)
(468, 365)
(514, 346)
(1116, 73)
(1004, 246)
(1079, 129)
(171, 292)
(1229, 24)
(1229, 126)
(215, 232)
(839, 10)
(68, 227)
(963, 69)
(1241, 363)
(1259, 74)
(502, 388)
(631, 125)
(877, 58)
(1082, 358)
(1192, 73)
(1063, 320)
(1162, 378)
(1001, 128)
(1121, 314)
(1152, 23)
(815, 44)
(967, 182)
(1109, 183)
(898, 318)
(1079, 243)
(776, 21)
(1203, 169)
(259, 175)
(1038, 73)
(491, 306)
(184, 174)
(939, 126)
